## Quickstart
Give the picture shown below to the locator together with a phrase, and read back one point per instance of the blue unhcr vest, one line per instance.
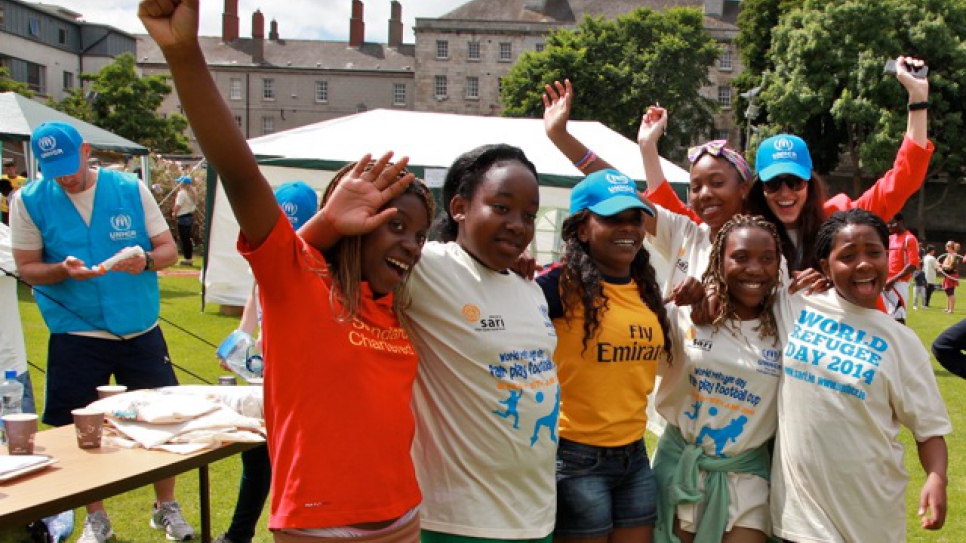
(118, 302)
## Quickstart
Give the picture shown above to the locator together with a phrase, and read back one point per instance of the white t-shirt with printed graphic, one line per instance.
(486, 398)
(684, 243)
(852, 376)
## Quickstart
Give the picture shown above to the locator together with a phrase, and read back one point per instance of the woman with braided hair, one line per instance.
(719, 397)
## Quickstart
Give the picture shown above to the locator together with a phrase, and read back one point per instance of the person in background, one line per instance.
(919, 288)
(101, 323)
(185, 205)
(10, 183)
(903, 261)
(949, 268)
(930, 266)
(299, 202)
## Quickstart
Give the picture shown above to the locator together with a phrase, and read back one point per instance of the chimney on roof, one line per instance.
(229, 21)
(258, 37)
(714, 8)
(273, 31)
(357, 25)
(395, 24)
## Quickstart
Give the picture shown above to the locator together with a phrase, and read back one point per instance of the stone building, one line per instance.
(273, 84)
(461, 56)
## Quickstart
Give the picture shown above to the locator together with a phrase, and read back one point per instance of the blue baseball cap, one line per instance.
(783, 154)
(185, 179)
(298, 200)
(606, 193)
(57, 147)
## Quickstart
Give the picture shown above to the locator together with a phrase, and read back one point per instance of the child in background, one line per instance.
(919, 287)
(852, 377)
(611, 327)
(719, 396)
(341, 365)
(486, 397)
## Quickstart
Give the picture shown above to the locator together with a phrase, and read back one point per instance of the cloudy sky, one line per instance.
(308, 19)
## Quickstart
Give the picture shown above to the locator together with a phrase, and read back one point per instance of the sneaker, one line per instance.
(168, 517)
(97, 528)
(223, 538)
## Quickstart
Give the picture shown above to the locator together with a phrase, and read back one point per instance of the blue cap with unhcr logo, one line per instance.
(298, 200)
(57, 147)
(606, 192)
(783, 154)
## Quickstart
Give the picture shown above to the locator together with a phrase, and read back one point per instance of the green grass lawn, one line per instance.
(180, 305)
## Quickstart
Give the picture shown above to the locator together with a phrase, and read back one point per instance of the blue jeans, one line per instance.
(256, 480)
(602, 488)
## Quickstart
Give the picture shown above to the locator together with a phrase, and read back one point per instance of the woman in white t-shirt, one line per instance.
(185, 204)
(719, 396)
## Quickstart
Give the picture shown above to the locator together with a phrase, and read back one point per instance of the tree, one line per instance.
(620, 67)
(8, 84)
(127, 105)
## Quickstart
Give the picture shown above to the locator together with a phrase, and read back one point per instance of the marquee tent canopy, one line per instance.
(432, 141)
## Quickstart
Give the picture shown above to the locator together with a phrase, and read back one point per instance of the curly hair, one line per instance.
(713, 278)
(345, 257)
(464, 177)
(580, 283)
(801, 255)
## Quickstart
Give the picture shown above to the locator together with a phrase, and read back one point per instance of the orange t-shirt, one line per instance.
(903, 250)
(337, 395)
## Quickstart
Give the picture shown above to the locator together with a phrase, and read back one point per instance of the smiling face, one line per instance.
(497, 222)
(717, 191)
(750, 269)
(613, 241)
(786, 203)
(390, 251)
(858, 264)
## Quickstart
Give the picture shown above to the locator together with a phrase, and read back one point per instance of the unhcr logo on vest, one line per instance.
(122, 225)
(48, 147)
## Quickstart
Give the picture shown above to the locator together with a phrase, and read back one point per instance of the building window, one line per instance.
(472, 87)
(506, 51)
(268, 89)
(33, 27)
(724, 97)
(541, 46)
(724, 61)
(473, 50)
(37, 78)
(440, 86)
(268, 125)
(238, 120)
(62, 36)
(723, 134)
(235, 89)
(322, 91)
(398, 94)
(442, 49)
(68, 80)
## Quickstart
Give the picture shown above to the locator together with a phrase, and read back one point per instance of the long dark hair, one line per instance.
(580, 283)
(800, 255)
(464, 177)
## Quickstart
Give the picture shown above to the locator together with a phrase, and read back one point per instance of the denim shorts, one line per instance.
(602, 488)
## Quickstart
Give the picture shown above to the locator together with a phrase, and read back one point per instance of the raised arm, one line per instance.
(557, 99)
(653, 124)
(174, 27)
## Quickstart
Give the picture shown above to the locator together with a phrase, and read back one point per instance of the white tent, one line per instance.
(431, 141)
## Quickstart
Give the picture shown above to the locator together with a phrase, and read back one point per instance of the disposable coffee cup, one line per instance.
(21, 429)
(89, 425)
(105, 391)
(227, 380)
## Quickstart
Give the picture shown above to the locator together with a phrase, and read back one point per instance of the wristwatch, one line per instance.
(148, 261)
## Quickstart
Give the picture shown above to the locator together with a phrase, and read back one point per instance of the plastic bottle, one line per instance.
(238, 351)
(11, 399)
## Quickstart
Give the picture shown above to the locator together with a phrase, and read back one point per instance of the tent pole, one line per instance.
(210, 186)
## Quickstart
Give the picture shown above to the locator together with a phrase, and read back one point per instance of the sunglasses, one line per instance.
(792, 182)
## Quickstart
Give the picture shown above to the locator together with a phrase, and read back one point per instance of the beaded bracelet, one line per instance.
(587, 160)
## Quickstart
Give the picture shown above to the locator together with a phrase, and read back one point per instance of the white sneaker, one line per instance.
(168, 517)
(97, 528)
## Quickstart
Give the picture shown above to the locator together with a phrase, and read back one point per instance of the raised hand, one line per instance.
(653, 125)
(918, 89)
(170, 22)
(557, 99)
(354, 206)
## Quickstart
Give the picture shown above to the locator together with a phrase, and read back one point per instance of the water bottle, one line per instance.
(239, 352)
(11, 398)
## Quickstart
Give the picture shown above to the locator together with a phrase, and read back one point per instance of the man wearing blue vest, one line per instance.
(101, 323)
